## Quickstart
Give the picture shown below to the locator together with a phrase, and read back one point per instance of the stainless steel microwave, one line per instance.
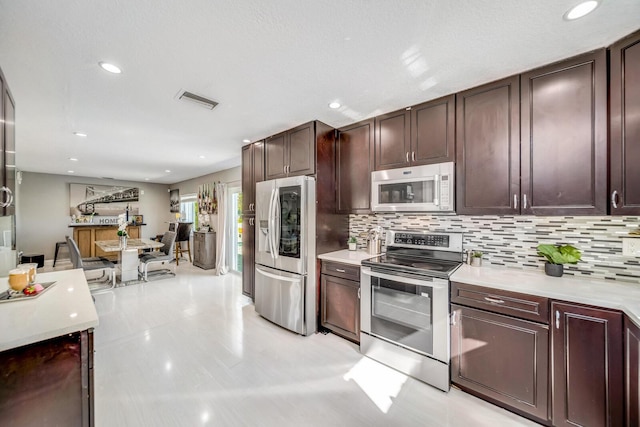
(428, 188)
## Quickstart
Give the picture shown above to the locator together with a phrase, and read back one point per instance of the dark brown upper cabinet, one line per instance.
(587, 366)
(291, 153)
(354, 155)
(252, 172)
(488, 149)
(392, 136)
(564, 137)
(418, 135)
(433, 131)
(625, 126)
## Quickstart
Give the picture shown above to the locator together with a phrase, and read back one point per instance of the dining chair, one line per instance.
(92, 264)
(164, 255)
(183, 234)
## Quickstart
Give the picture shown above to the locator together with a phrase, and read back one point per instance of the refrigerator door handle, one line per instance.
(270, 224)
(275, 234)
(274, 276)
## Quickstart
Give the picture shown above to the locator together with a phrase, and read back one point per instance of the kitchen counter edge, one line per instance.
(606, 294)
(346, 256)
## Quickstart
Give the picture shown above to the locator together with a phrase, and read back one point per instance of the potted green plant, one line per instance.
(557, 256)
(476, 258)
(353, 243)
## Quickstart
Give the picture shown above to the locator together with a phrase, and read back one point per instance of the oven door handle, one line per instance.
(435, 283)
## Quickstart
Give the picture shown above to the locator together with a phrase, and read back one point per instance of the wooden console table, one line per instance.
(87, 235)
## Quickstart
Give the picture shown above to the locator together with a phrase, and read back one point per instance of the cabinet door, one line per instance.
(625, 126)
(502, 359)
(587, 366)
(564, 137)
(276, 156)
(258, 163)
(248, 184)
(301, 141)
(340, 306)
(433, 131)
(392, 140)
(632, 372)
(488, 149)
(248, 255)
(354, 164)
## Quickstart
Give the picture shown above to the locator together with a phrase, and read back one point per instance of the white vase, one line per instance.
(123, 242)
(353, 246)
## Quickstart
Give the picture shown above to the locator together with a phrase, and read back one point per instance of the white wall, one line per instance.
(43, 209)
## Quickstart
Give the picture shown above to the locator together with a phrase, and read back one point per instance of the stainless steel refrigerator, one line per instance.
(285, 273)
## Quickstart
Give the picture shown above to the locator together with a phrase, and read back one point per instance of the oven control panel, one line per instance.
(436, 240)
(425, 239)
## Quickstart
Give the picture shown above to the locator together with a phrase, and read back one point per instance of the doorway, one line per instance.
(234, 237)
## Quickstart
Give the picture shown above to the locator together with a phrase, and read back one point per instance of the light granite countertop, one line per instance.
(347, 257)
(65, 308)
(607, 294)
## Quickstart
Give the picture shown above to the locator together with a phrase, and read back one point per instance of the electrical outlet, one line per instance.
(631, 246)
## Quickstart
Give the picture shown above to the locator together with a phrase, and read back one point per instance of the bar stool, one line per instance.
(183, 234)
(58, 246)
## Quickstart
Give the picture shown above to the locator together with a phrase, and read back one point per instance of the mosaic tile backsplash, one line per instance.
(510, 241)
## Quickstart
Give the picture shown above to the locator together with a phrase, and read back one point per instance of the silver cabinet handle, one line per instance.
(557, 319)
(614, 199)
(453, 318)
(407, 157)
(284, 169)
(9, 199)
(515, 201)
(358, 293)
(524, 201)
(413, 156)
(494, 300)
(340, 270)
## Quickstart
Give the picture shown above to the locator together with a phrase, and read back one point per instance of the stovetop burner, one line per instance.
(420, 253)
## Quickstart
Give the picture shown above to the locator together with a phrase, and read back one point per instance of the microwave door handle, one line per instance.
(436, 183)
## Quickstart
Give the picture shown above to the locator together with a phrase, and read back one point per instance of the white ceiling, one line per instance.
(270, 64)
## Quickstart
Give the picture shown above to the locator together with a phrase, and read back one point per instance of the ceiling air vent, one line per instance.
(200, 100)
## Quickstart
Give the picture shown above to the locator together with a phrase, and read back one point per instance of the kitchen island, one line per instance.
(86, 235)
(46, 354)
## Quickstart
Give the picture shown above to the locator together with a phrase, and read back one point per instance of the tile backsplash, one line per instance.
(511, 241)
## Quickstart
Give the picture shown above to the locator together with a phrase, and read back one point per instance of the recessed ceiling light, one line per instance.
(70, 172)
(167, 171)
(110, 67)
(146, 179)
(73, 159)
(246, 141)
(202, 157)
(82, 134)
(581, 10)
(334, 105)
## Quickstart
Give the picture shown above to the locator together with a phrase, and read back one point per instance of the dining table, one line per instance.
(127, 267)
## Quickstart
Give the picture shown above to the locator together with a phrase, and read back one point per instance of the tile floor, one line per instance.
(191, 350)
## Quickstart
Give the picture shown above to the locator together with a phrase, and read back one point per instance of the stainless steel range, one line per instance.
(405, 304)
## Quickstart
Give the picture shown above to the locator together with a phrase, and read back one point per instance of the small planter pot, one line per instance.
(555, 270)
(353, 246)
(476, 262)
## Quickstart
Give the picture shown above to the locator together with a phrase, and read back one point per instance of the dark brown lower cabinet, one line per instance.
(49, 383)
(632, 373)
(587, 366)
(340, 305)
(502, 359)
(248, 255)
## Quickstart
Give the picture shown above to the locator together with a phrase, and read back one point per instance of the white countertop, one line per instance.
(607, 294)
(346, 256)
(64, 308)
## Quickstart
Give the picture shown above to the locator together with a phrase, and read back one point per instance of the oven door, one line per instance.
(412, 312)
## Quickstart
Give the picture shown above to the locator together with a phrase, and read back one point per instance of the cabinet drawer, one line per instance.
(524, 306)
(337, 269)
